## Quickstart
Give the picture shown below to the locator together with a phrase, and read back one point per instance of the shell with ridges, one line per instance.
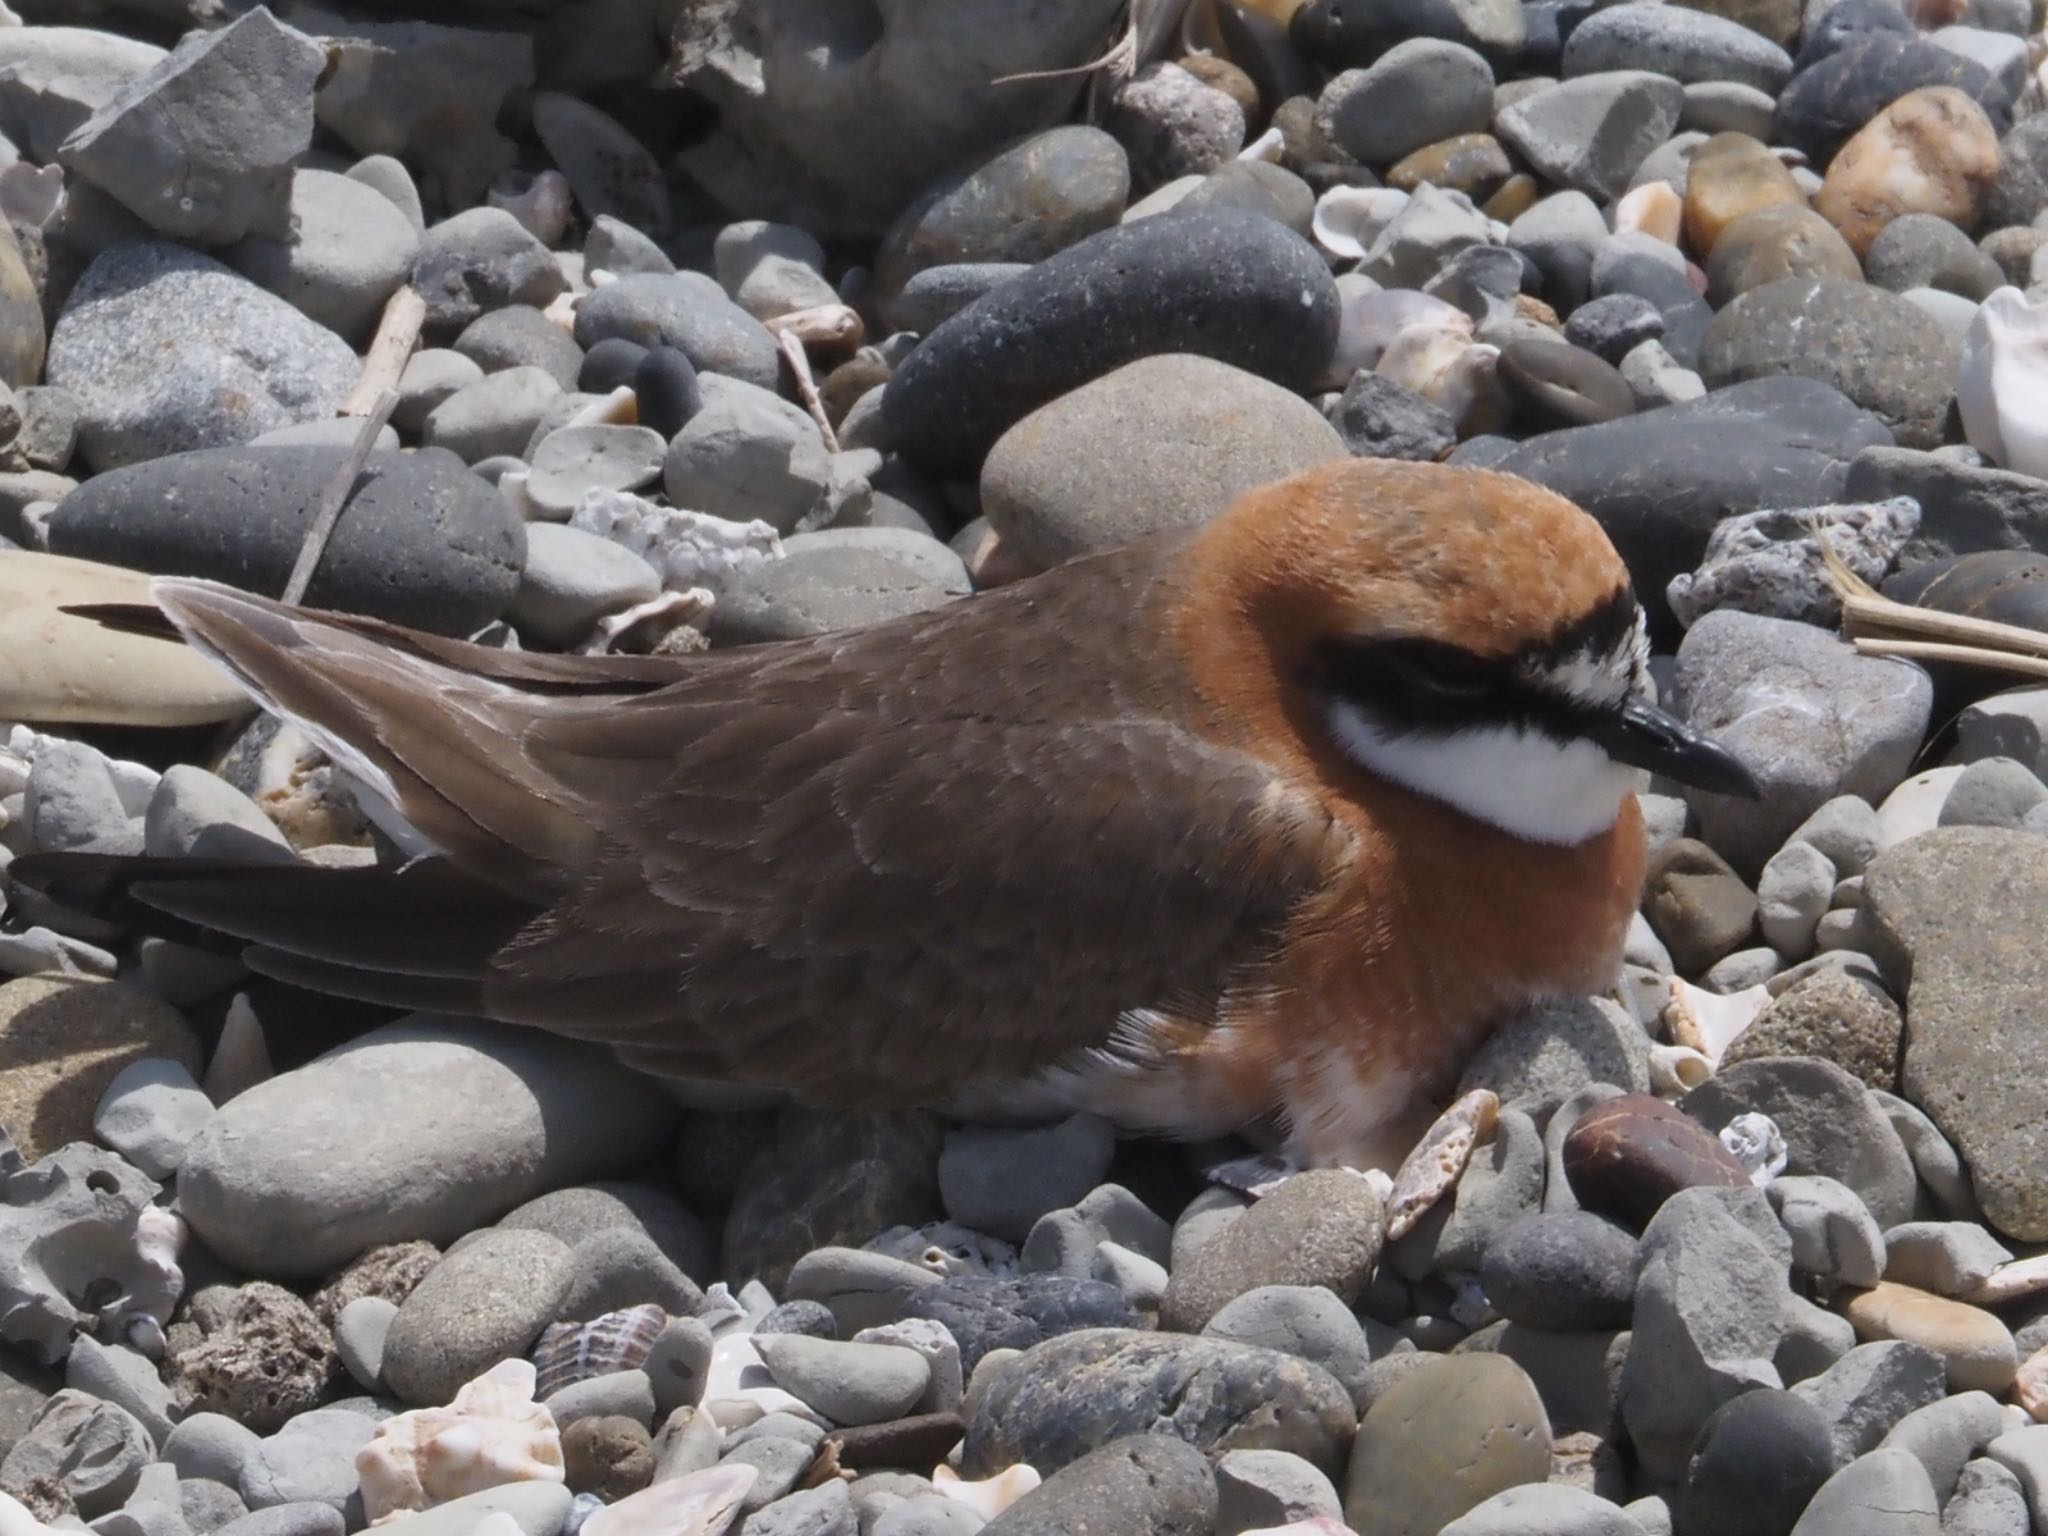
(617, 1341)
(492, 1434)
(1432, 1170)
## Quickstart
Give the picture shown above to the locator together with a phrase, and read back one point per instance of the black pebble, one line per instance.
(666, 383)
(610, 363)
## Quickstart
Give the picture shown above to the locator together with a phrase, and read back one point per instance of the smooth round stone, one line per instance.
(520, 336)
(1823, 105)
(1730, 175)
(611, 364)
(1831, 1125)
(935, 295)
(1414, 94)
(610, 171)
(1270, 191)
(1975, 1346)
(431, 375)
(1322, 1228)
(689, 312)
(1921, 250)
(1217, 282)
(847, 1383)
(350, 249)
(1775, 244)
(667, 389)
(1627, 1156)
(1558, 385)
(1471, 163)
(1697, 905)
(1685, 44)
(1064, 1398)
(471, 1120)
(168, 350)
(1880, 351)
(839, 578)
(149, 1113)
(1142, 1485)
(573, 460)
(771, 269)
(1758, 1462)
(59, 668)
(1021, 204)
(572, 580)
(1001, 1181)
(1884, 1493)
(2021, 191)
(424, 542)
(495, 415)
(486, 1301)
(311, 1459)
(1931, 151)
(1563, 1270)
(1443, 1441)
(387, 176)
(1162, 442)
(627, 1394)
(748, 454)
(1726, 106)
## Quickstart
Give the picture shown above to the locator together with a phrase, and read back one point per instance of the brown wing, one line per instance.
(868, 867)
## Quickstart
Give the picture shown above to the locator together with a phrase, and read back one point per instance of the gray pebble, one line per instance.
(1261, 1489)
(1308, 1322)
(94, 1450)
(359, 1334)
(678, 1363)
(1992, 792)
(479, 260)
(210, 1446)
(1834, 1237)
(497, 414)
(313, 1458)
(572, 579)
(124, 1378)
(1988, 1501)
(824, 1511)
(308, 1517)
(481, 1304)
(430, 377)
(1814, 1339)
(1002, 1181)
(1872, 1387)
(149, 1114)
(207, 1505)
(520, 336)
(1944, 1435)
(1885, 1493)
(848, 1383)
(1950, 1258)
(615, 1394)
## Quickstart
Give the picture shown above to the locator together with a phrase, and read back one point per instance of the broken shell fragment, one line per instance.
(1432, 1170)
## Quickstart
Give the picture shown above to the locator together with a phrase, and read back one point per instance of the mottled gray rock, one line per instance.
(484, 1302)
(1708, 1315)
(168, 350)
(1442, 1441)
(1758, 1462)
(1416, 93)
(1685, 44)
(1551, 1050)
(1260, 1489)
(202, 147)
(1070, 1394)
(1945, 1435)
(1871, 1388)
(348, 249)
(1148, 1485)
(749, 454)
(1306, 1321)
(573, 579)
(311, 1460)
(1834, 1237)
(479, 260)
(1590, 133)
(1321, 1227)
(91, 1450)
(150, 1113)
(1949, 1258)
(1002, 1181)
(689, 312)
(1885, 1493)
(1562, 1270)
(1552, 1508)
(1500, 1185)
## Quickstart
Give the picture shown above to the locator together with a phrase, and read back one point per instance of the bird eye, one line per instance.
(1445, 672)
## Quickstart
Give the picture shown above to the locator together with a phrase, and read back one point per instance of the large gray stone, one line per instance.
(419, 1129)
(202, 146)
(1885, 1493)
(169, 350)
(1964, 507)
(348, 250)
(423, 542)
(1141, 1485)
(839, 578)
(1590, 133)
(1442, 1441)
(1165, 442)
(1809, 716)
(1958, 914)
(54, 78)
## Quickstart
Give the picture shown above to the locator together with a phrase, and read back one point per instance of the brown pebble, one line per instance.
(1626, 1156)
(608, 1455)
(919, 1442)
(1975, 1346)
(1931, 151)
(1472, 163)
(1227, 78)
(1559, 385)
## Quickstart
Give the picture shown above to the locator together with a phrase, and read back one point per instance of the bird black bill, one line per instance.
(1644, 736)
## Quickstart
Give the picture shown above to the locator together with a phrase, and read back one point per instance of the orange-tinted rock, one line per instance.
(1976, 1347)
(1472, 163)
(1626, 1156)
(1729, 176)
(1517, 195)
(1931, 151)
(1654, 209)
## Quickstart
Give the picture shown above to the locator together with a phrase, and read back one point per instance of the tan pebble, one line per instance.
(1517, 195)
(1731, 175)
(1472, 163)
(1432, 1170)
(1789, 240)
(1976, 1346)
(1931, 151)
(1654, 209)
(2030, 1386)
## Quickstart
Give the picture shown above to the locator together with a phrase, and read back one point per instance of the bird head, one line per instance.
(1467, 635)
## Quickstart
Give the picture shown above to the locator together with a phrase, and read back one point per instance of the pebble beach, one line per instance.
(652, 327)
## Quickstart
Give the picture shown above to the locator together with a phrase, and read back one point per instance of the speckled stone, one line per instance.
(1443, 1440)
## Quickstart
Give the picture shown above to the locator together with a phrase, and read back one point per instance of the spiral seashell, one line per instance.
(2003, 380)
(617, 1341)
(1677, 1069)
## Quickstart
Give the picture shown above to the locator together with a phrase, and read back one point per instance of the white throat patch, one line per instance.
(1526, 784)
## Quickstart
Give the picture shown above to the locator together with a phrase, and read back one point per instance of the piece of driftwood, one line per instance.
(335, 497)
(398, 332)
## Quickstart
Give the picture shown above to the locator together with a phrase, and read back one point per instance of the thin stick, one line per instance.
(398, 332)
(806, 387)
(336, 496)
(1881, 618)
(1961, 655)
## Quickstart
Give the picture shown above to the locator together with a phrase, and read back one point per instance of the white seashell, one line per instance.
(696, 1504)
(492, 1434)
(1348, 219)
(1677, 1069)
(241, 1058)
(2002, 382)
(1268, 147)
(992, 1495)
(1709, 1022)
(1755, 1141)
(15, 1520)
(1432, 1169)
(1441, 362)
